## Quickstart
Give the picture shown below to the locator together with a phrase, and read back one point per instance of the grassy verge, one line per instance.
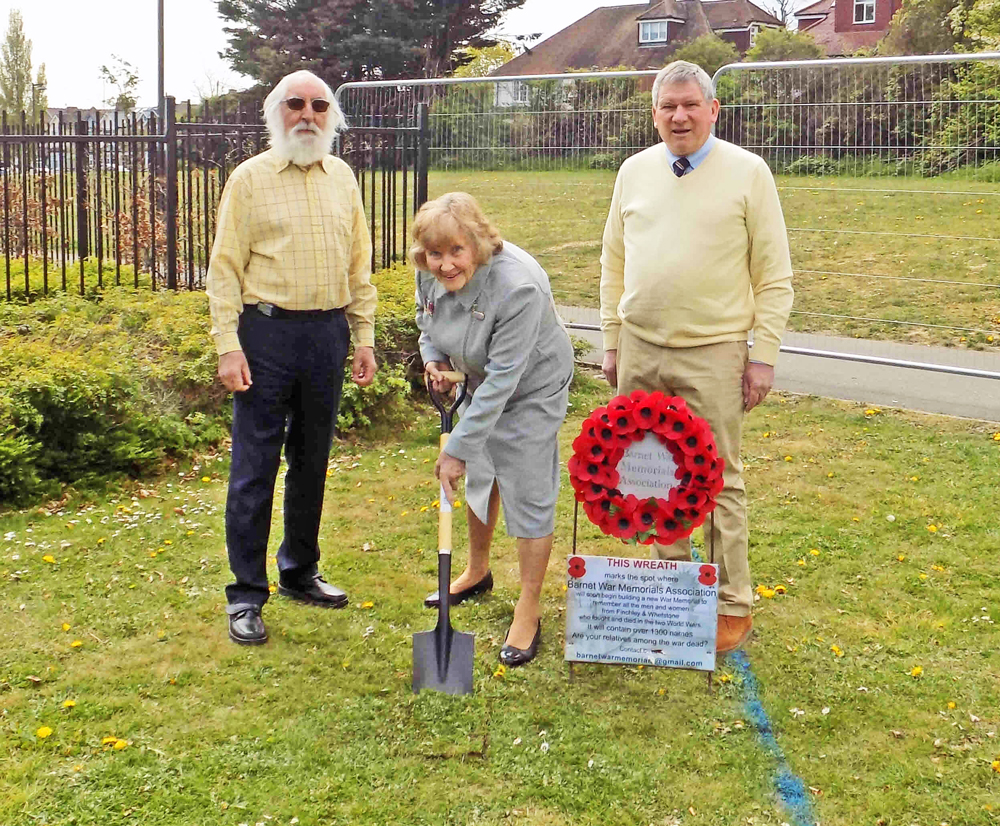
(862, 248)
(878, 667)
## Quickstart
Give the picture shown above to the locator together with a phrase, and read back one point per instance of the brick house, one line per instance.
(842, 27)
(641, 36)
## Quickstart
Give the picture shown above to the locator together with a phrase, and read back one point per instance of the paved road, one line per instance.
(911, 388)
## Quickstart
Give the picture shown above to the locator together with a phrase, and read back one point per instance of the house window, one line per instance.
(653, 31)
(864, 11)
(522, 93)
(754, 31)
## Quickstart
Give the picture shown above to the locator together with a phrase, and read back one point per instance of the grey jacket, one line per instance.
(502, 330)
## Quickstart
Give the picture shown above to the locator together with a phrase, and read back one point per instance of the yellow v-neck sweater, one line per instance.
(699, 259)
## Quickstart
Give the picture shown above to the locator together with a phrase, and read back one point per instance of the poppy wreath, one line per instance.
(603, 438)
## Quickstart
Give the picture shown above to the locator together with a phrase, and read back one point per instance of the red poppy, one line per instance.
(622, 525)
(620, 416)
(707, 575)
(588, 447)
(599, 511)
(696, 439)
(601, 430)
(577, 567)
(594, 491)
(647, 412)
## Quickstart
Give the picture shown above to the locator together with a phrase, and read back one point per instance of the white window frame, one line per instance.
(646, 29)
(522, 93)
(754, 31)
(864, 11)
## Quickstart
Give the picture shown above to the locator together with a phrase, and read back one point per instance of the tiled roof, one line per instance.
(609, 36)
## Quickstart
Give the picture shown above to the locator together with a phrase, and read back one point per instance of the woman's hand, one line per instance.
(449, 470)
(434, 371)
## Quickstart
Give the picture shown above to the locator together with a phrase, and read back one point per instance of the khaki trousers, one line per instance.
(710, 380)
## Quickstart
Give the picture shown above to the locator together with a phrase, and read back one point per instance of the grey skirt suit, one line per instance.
(502, 330)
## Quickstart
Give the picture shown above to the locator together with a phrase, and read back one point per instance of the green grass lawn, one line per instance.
(862, 248)
(878, 669)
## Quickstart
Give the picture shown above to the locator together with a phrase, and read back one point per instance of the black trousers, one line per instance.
(297, 370)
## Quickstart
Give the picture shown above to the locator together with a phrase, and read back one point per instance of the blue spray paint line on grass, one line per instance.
(791, 790)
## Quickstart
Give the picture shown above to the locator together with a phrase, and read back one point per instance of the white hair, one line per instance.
(295, 146)
(680, 71)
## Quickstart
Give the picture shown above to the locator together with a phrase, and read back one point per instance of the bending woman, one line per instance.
(485, 307)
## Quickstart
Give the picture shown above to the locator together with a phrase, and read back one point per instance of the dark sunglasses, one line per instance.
(298, 104)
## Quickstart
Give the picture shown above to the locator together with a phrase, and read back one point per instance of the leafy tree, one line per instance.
(125, 80)
(782, 44)
(481, 62)
(343, 40)
(15, 67)
(981, 23)
(41, 99)
(709, 51)
(927, 27)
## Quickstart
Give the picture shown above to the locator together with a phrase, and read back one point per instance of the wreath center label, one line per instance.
(647, 468)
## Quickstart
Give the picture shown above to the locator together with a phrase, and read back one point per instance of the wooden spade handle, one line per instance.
(454, 376)
(444, 514)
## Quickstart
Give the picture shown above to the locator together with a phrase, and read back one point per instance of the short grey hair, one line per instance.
(278, 93)
(680, 71)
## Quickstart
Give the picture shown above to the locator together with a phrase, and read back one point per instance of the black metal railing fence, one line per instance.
(133, 200)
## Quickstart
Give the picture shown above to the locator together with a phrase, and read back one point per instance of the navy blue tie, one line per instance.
(680, 166)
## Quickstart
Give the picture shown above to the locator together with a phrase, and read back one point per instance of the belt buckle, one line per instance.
(266, 309)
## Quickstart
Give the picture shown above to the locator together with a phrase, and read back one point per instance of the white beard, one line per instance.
(302, 146)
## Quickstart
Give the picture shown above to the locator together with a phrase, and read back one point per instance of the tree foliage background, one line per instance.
(15, 67)
(344, 40)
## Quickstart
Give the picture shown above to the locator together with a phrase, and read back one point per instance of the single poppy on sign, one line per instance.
(577, 567)
(707, 575)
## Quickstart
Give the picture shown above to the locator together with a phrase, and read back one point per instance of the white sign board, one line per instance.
(641, 611)
(647, 469)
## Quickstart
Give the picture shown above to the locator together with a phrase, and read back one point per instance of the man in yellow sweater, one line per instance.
(695, 257)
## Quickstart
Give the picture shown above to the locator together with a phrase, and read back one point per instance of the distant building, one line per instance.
(93, 117)
(842, 27)
(641, 36)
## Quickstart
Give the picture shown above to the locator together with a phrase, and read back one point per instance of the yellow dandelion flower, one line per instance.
(565, 588)
(869, 412)
(424, 509)
(49, 558)
(922, 576)
(801, 562)
(662, 691)
(932, 528)
(458, 503)
(206, 478)
(367, 604)
(767, 593)
(152, 554)
(405, 513)
(725, 678)
(102, 540)
(107, 741)
(66, 626)
(75, 644)
(780, 589)
(436, 503)
(168, 542)
(814, 552)
(829, 475)
(788, 458)
(901, 558)
(995, 765)
(760, 588)
(392, 498)
(161, 634)
(78, 768)
(989, 339)
(996, 437)
(272, 588)
(499, 673)
(937, 567)
(951, 704)
(189, 533)
(120, 744)
(855, 519)
(916, 671)
(345, 664)
(69, 703)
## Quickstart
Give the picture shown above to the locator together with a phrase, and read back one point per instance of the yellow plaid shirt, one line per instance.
(293, 237)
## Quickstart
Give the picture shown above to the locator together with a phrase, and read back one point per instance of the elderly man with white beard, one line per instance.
(289, 282)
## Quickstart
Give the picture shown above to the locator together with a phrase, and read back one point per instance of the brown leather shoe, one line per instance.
(732, 633)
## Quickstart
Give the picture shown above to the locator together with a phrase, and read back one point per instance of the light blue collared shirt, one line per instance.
(694, 158)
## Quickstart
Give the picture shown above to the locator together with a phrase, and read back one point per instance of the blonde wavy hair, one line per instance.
(449, 218)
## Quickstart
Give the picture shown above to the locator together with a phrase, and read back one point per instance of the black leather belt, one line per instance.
(273, 311)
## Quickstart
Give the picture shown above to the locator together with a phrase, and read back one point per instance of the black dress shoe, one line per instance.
(247, 628)
(315, 591)
(513, 657)
(481, 587)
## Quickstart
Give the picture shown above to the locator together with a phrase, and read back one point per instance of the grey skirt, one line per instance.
(522, 456)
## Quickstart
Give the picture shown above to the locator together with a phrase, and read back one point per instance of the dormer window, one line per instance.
(754, 31)
(864, 11)
(653, 31)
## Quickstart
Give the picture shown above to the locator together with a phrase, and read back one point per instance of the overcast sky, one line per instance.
(75, 37)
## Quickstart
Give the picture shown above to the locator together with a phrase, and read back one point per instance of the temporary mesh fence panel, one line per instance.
(886, 167)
